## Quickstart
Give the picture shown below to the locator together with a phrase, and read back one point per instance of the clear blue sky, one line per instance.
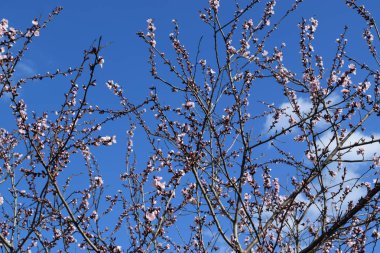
(81, 22)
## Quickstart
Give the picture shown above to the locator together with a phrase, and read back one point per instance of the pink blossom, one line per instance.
(279, 55)
(214, 4)
(117, 249)
(376, 161)
(314, 24)
(376, 234)
(94, 215)
(3, 57)
(352, 68)
(158, 184)
(101, 61)
(3, 26)
(276, 184)
(299, 138)
(360, 151)
(350, 243)
(314, 85)
(107, 140)
(248, 24)
(151, 26)
(292, 121)
(151, 216)
(231, 49)
(111, 85)
(189, 105)
(364, 86)
(98, 181)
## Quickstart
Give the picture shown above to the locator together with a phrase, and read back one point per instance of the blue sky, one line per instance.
(81, 22)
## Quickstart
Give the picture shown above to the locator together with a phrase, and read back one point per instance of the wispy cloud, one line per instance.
(25, 68)
(305, 106)
(352, 175)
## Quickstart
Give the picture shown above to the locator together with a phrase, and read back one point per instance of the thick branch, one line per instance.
(362, 202)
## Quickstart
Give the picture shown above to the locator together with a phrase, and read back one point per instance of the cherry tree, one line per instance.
(226, 170)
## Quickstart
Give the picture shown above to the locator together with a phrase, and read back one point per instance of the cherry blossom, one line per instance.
(151, 216)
